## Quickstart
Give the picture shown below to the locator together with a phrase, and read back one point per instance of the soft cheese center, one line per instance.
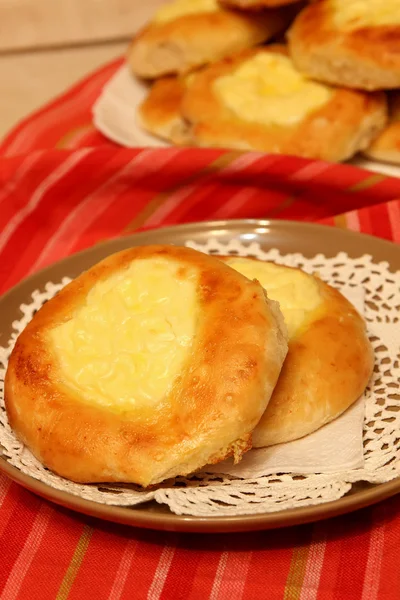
(296, 292)
(181, 8)
(356, 14)
(128, 342)
(267, 89)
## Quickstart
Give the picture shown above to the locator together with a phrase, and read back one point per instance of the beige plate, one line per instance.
(287, 237)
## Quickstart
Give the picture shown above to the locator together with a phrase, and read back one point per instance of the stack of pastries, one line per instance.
(316, 79)
(160, 360)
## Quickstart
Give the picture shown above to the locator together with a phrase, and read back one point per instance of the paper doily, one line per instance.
(206, 494)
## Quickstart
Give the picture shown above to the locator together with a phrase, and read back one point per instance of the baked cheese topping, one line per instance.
(267, 89)
(297, 292)
(356, 14)
(181, 8)
(126, 345)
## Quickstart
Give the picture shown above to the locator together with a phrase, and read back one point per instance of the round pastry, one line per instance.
(354, 43)
(189, 33)
(386, 146)
(330, 358)
(160, 112)
(149, 365)
(256, 4)
(259, 101)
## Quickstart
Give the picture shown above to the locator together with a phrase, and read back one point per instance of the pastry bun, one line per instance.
(353, 43)
(151, 364)
(160, 112)
(330, 359)
(386, 147)
(179, 44)
(259, 101)
(256, 4)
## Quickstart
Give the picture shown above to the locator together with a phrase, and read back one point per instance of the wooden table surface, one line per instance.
(32, 78)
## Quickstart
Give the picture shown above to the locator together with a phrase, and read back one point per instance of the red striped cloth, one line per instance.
(55, 202)
(63, 123)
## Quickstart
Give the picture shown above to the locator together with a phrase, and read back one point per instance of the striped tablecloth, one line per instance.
(63, 187)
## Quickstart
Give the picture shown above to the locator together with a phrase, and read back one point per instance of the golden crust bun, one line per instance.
(330, 359)
(151, 364)
(259, 101)
(181, 40)
(386, 146)
(160, 112)
(354, 43)
(256, 4)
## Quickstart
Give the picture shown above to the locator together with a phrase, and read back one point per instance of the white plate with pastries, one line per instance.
(70, 407)
(197, 75)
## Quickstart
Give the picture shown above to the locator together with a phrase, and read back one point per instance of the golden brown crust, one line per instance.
(326, 370)
(193, 40)
(237, 353)
(367, 58)
(256, 4)
(160, 113)
(386, 146)
(335, 132)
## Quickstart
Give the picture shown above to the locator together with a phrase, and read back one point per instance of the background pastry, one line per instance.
(353, 43)
(330, 358)
(386, 146)
(191, 33)
(160, 112)
(259, 101)
(151, 364)
(256, 4)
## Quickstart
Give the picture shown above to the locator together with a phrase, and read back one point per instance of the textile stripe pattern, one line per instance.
(64, 201)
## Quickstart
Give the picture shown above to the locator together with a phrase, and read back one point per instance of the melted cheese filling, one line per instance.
(126, 345)
(181, 8)
(356, 14)
(267, 89)
(297, 292)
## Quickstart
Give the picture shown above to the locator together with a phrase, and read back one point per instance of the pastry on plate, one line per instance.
(386, 147)
(160, 112)
(330, 359)
(354, 43)
(189, 33)
(259, 101)
(151, 364)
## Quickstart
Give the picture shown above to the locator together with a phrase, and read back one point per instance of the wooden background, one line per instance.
(29, 24)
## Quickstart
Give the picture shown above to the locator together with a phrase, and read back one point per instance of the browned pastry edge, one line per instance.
(366, 58)
(257, 4)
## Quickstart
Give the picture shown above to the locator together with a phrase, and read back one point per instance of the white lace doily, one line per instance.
(208, 494)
